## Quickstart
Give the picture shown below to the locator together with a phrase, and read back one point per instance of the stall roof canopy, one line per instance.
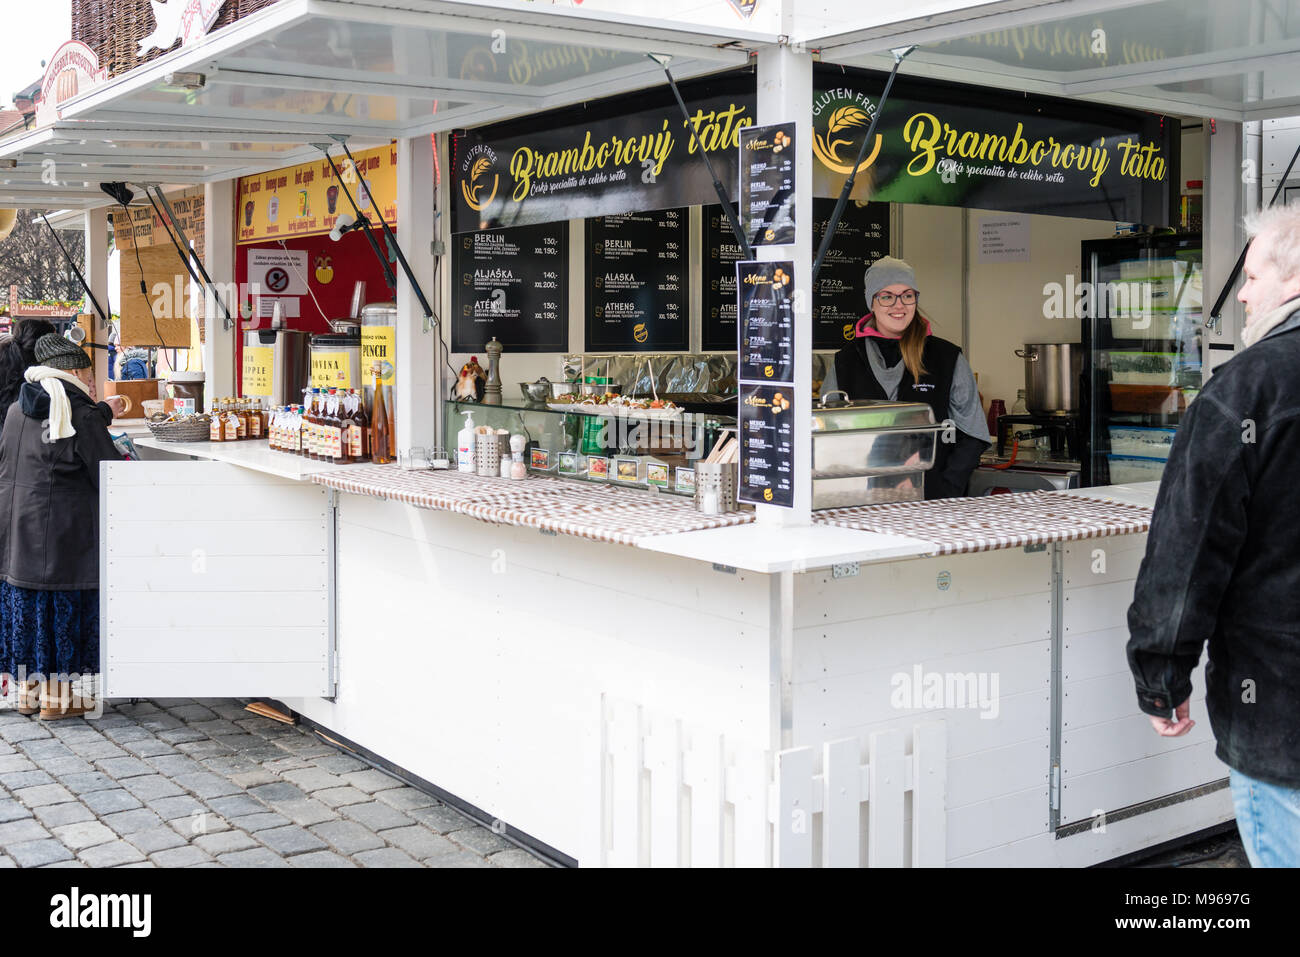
(260, 93)
(257, 95)
(1227, 59)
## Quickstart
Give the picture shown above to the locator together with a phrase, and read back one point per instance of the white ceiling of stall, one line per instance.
(301, 71)
(1228, 59)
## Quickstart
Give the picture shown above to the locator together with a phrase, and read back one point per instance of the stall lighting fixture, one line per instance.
(185, 80)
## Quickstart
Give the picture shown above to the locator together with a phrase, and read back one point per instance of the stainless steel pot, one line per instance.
(1052, 371)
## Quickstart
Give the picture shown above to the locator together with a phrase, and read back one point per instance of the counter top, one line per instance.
(254, 454)
(607, 513)
(1002, 521)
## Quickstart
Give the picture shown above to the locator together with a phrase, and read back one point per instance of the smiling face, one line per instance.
(1265, 287)
(892, 320)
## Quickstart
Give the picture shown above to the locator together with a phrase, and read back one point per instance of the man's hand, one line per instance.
(118, 404)
(1176, 728)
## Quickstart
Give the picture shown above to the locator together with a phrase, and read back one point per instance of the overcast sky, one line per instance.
(34, 30)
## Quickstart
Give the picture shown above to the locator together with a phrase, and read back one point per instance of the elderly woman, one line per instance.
(54, 438)
(17, 355)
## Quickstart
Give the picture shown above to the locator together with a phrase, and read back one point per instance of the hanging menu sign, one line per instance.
(636, 282)
(721, 252)
(767, 184)
(766, 426)
(767, 311)
(512, 284)
(861, 238)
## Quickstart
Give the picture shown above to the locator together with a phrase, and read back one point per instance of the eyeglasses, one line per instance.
(887, 298)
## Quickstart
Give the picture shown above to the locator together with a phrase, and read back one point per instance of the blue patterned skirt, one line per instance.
(48, 632)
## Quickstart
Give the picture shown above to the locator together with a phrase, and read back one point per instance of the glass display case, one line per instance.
(1142, 352)
(654, 452)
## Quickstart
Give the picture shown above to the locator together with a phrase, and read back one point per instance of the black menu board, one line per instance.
(767, 321)
(767, 184)
(512, 284)
(861, 238)
(766, 427)
(636, 282)
(721, 252)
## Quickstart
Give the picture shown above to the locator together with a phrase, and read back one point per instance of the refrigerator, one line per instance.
(1140, 312)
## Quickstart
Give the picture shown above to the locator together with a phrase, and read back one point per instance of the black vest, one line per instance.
(939, 358)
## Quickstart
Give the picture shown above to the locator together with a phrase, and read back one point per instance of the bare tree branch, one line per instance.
(30, 259)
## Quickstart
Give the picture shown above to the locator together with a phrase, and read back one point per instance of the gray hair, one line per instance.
(1282, 225)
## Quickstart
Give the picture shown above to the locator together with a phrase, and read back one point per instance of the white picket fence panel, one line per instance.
(668, 795)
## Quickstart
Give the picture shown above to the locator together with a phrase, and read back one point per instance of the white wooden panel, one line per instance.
(240, 574)
(793, 828)
(1110, 698)
(188, 679)
(1097, 607)
(246, 503)
(897, 587)
(664, 759)
(208, 645)
(595, 757)
(629, 759)
(1094, 654)
(885, 830)
(1095, 561)
(1107, 789)
(929, 795)
(705, 774)
(142, 539)
(846, 700)
(1008, 817)
(237, 624)
(841, 800)
(1126, 739)
(850, 647)
(986, 774)
(176, 610)
(750, 778)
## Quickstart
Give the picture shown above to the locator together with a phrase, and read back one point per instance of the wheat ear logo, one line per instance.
(473, 189)
(845, 119)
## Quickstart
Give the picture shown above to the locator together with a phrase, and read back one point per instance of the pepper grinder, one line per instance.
(492, 391)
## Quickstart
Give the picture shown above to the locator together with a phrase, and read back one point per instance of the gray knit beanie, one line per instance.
(59, 353)
(887, 271)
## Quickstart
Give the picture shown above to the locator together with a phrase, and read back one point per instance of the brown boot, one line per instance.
(29, 696)
(57, 701)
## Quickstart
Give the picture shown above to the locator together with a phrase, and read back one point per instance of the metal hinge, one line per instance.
(725, 569)
(845, 570)
(1030, 549)
(548, 531)
(1055, 794)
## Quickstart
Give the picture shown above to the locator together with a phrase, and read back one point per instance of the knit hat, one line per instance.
(59, 353)
(887, 271)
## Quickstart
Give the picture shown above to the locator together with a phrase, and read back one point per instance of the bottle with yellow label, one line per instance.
(216, 426)
(230, 421)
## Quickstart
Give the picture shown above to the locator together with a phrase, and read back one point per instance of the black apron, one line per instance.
(939, 358)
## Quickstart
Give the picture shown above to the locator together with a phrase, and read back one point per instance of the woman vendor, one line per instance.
(896, 357)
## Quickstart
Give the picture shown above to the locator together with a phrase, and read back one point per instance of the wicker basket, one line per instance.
(196, 428)
(114, 28)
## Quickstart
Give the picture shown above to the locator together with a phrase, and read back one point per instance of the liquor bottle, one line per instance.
(217, 427)
(344, 456)
(379, 437)
(241, 413)
(256, 424)
(359, 428)
(230, 421)
(333, 427)
(313, 425)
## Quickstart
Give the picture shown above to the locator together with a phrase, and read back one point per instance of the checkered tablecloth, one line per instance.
(604, 513)
(994, 521)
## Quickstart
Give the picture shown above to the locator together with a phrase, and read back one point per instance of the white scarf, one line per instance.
(1266, 323)
(51, 381)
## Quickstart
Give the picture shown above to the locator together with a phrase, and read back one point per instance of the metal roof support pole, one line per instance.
(415, 394)
(785, 94)
(96, 231)
(219, 258)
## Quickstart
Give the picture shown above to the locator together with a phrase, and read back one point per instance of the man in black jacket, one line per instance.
(1222, 563)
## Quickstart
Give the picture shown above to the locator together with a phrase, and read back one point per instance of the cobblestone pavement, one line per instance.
(204, 783)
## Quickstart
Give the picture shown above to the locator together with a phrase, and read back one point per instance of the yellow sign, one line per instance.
(331, 370)
(306, 200)
(379, 344)
(144, 228)
(259, 362)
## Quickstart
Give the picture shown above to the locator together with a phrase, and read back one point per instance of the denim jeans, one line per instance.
(1268, 817)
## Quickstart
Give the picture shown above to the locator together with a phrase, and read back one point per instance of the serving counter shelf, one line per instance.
(252, 454)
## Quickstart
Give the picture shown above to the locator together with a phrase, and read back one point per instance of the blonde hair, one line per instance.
(911, 343)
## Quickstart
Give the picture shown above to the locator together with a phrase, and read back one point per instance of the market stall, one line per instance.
(588, 660)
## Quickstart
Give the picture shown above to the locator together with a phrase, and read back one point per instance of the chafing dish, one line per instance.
(866, 453)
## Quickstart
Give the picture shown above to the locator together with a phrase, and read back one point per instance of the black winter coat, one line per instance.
(49, 493)
(1222, 563)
